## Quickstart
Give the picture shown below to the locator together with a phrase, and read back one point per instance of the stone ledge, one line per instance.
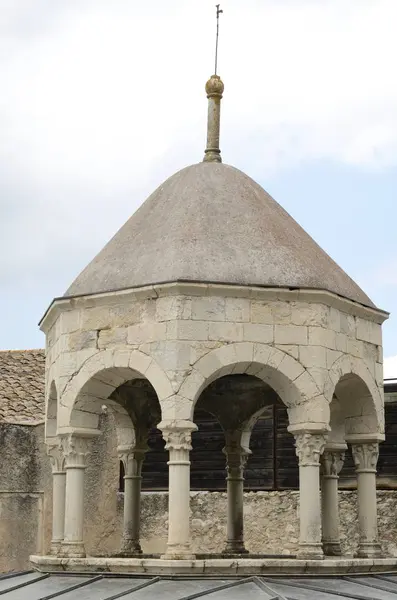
(221, 566)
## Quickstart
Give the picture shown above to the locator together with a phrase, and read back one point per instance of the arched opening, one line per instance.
(227, 404)
(356, 419)
(354, 413)
(138, 397)
(241, 445)
(122, 404)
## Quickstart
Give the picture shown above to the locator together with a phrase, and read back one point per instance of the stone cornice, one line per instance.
(331, 299)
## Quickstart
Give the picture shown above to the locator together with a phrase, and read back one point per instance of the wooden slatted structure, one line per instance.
(273, 464)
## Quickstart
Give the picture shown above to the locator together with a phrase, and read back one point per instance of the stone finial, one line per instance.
(214, 88)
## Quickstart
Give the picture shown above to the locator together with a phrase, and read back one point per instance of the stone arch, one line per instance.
(125, 430)
(50, 425)
(359, 396)
(337, 433)
(248, 426)
(292, 382)
(97, 379)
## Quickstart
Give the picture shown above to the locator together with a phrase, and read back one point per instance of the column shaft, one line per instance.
(309, 447)
(331, 462)
(132, 459)
(58, 507)
(214, 88)
(365, 457)
(178, 443)
(236, 458)
(75, 451)
(74, 508)
(58, 497)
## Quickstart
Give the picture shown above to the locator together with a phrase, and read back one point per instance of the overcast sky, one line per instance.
(103, 99)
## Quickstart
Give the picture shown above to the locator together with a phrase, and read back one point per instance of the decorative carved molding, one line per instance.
(177, 439)
(75, 450)
(365, 456)
(132, 459)
(57, 458)
(309, 447)
(236, 459)
(177, 434)
(332, 463)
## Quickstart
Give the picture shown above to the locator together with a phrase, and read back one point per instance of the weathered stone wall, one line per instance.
(25, 495)
(270, 519)
(177, 338)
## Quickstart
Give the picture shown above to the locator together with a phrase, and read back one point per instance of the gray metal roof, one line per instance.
(212, 223)
(41, 586)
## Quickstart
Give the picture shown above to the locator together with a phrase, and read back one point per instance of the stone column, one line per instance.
(132, 459)
(331, 464)
(214, 88)
(76, 450)
(236, 458)
(365, 455)
(58, 496)
(309, 446)
(177, 436)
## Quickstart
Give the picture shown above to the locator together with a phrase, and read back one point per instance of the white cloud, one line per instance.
(390, 367)
(108, 88)
(102, 100)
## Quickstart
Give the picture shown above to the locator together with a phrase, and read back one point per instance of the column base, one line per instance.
(178, 552)
(310, 551)
(369, 550)
(332, 549)
(234, 547)
(72, 550)
(55, 547)
(130, 547)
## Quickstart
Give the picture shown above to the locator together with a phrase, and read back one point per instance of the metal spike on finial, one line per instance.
(218, 12)
(214, 88)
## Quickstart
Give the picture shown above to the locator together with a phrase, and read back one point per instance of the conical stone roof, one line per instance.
(212, 223)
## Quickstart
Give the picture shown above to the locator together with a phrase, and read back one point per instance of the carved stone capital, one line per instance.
(57, 458)
(332, 463)
(132, 459)
(75, 450)
(236, 459)
(365, 456)
(178, 436)
(309, 447)
(177, 439)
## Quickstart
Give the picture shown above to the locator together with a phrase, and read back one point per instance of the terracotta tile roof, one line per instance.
(22, 386)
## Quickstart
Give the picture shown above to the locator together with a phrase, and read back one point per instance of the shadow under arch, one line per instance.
(285, 375)
(98, 379)
(359, 397)
(228, 409)
(50, 423)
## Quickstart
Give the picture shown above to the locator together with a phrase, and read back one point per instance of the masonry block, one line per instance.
(318, 336)
(237, 310)
(169, 308)
(257, 332)
(112, 337)
(208, 308)
(313, 356)
(309, 314)
(290, 334)
(227, 332)
(146, 332)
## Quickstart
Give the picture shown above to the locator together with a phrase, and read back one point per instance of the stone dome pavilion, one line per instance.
(211, 280)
